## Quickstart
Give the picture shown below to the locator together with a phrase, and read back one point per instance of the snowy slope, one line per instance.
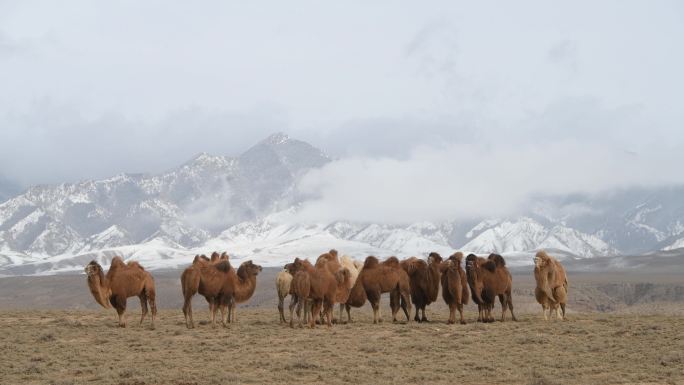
(244, 205)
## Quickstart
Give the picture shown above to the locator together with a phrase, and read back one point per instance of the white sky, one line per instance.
(90, 89)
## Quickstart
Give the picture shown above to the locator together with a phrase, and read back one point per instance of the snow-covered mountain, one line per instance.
(246, 205)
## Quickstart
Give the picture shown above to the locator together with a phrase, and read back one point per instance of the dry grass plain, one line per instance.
(622, 329)
(85, 346)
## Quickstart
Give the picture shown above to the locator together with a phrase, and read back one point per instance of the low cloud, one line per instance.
(465, 181)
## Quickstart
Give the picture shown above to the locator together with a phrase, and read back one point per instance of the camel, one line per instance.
(238, 288)
(424, 281)
(123, 280)
(283, 282)
(489, 278)
(207, 279)
(312, 282)
(552, 284)
(454, 286)
(376, 278)
(354, 268)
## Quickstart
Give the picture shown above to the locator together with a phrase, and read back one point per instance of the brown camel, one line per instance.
(238, 288)
(376, 278)
(122, 281)
(552, 284)
(316, 283)
(454, 286)
(424, 280)
(207, 279)
(489, 278)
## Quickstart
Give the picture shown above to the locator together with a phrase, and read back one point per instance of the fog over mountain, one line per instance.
(252, 205)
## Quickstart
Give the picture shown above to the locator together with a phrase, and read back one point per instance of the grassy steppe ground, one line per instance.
(85, 346)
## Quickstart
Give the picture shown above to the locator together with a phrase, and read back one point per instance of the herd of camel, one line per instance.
(317, 287)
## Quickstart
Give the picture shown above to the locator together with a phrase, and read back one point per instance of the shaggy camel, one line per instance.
(489, 278)
(424, 281)
(238, 288)
(122, 281)
(207, 279)
(283, 282)
(354, 268)
(376, 278)
(316, 283)
(552, 284)
(454, 286)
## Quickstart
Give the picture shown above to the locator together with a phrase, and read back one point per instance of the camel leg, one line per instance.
(152, 300)
(143, 307)
(509, 301)
(504, 306)
(376, 312)
(315, 309)
(563, 309)
(424, 319)
(224, 319)
(120, 305)
(281, 303)
(328, 310)
(187, 312)
(293, 303)
(341, 312)
(452, 314)
(406, 297)
(348, 308)
(544, 312)
(460, 311)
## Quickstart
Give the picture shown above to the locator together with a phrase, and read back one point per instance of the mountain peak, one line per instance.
(276, 138)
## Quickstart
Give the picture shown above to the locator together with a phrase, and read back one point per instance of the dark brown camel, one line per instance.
(454, 286)
(123, 280)
(489, 278)
(424, 279)
(376, 278)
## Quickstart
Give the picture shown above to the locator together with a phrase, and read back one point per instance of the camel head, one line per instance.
(97, 283)
(541, 259)
(434, 258)
(249, 269)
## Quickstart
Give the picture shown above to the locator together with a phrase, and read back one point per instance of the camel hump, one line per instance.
(391, 261)
(457, 257)
(333, 253)
(497, 259)
(342, 275)
(214, 256)
(200, 259)
(224, 256)
(370, 262)
(542, 254)
(136, 265)
(117, 262)
(223, 266)
(489, 265)
(411, 265)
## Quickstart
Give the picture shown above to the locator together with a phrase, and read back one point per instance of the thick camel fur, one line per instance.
(552, 284)
(454, 286)
(122, 281)
(424, 279)
(489, 278)
(239, 287)
(376, 278)
(315, 283)
(283, 282)
(207, 279)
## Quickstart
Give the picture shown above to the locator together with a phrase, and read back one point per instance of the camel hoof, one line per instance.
(463, 322)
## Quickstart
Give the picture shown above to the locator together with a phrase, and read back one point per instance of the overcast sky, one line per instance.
(91, 89)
